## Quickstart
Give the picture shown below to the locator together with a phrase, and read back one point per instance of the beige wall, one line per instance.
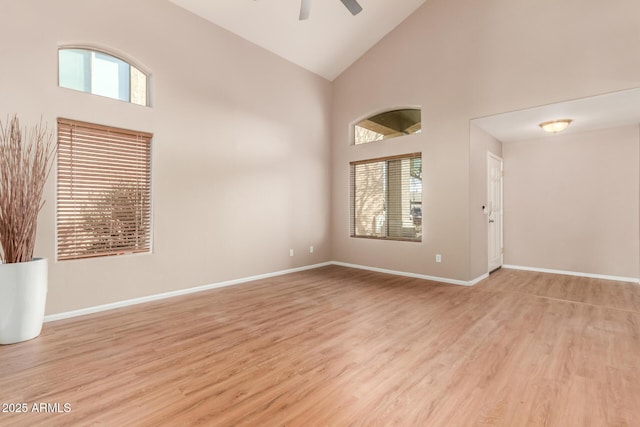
(461, 60)
(240, 148)
(571, 202)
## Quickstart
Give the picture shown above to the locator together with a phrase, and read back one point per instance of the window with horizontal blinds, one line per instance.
(386, 198)
(103, 190)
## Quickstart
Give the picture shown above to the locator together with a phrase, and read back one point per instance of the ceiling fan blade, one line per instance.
(305, 8)
(353, 6)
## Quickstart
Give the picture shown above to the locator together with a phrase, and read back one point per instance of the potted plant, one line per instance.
(25, 162)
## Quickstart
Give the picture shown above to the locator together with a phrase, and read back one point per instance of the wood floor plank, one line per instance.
(337, 346)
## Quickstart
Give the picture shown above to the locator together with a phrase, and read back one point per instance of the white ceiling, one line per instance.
(326, 44)
(596, 112)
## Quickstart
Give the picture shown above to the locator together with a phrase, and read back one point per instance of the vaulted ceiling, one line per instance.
(332, 39)
(327, 43)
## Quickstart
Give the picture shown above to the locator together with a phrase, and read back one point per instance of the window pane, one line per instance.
(405, 198)
(138, 87)
(110, 76)
(389, 124)
(74, 69)
(369, 197)
(363, 135)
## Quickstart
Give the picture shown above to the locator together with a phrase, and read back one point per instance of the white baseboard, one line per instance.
(150, 298)
(141, 300)
(574, 273)
(413, 275)
(478, 279)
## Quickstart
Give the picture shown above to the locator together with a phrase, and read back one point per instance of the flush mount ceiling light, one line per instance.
(555, 126)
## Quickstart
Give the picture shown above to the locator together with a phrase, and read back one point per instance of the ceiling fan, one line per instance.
(353, 6)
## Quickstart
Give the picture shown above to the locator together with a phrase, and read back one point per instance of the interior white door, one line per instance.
(495, 214)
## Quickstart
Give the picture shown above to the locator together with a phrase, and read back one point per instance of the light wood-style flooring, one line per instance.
(339, 347)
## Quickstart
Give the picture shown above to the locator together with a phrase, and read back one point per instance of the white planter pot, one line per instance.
(23, 295)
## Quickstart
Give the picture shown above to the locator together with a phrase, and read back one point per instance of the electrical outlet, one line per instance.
(438, 258)
(310, 249)
(290, 252)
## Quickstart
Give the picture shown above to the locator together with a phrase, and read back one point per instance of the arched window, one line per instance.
(389, 124)
(102, 74)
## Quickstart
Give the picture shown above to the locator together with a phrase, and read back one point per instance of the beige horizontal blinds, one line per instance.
(104, 190)
(386, 198)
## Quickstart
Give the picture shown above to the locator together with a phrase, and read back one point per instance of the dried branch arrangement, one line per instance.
(25, 163)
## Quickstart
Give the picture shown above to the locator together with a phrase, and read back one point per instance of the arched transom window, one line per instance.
(102, 74)
(389, 124)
